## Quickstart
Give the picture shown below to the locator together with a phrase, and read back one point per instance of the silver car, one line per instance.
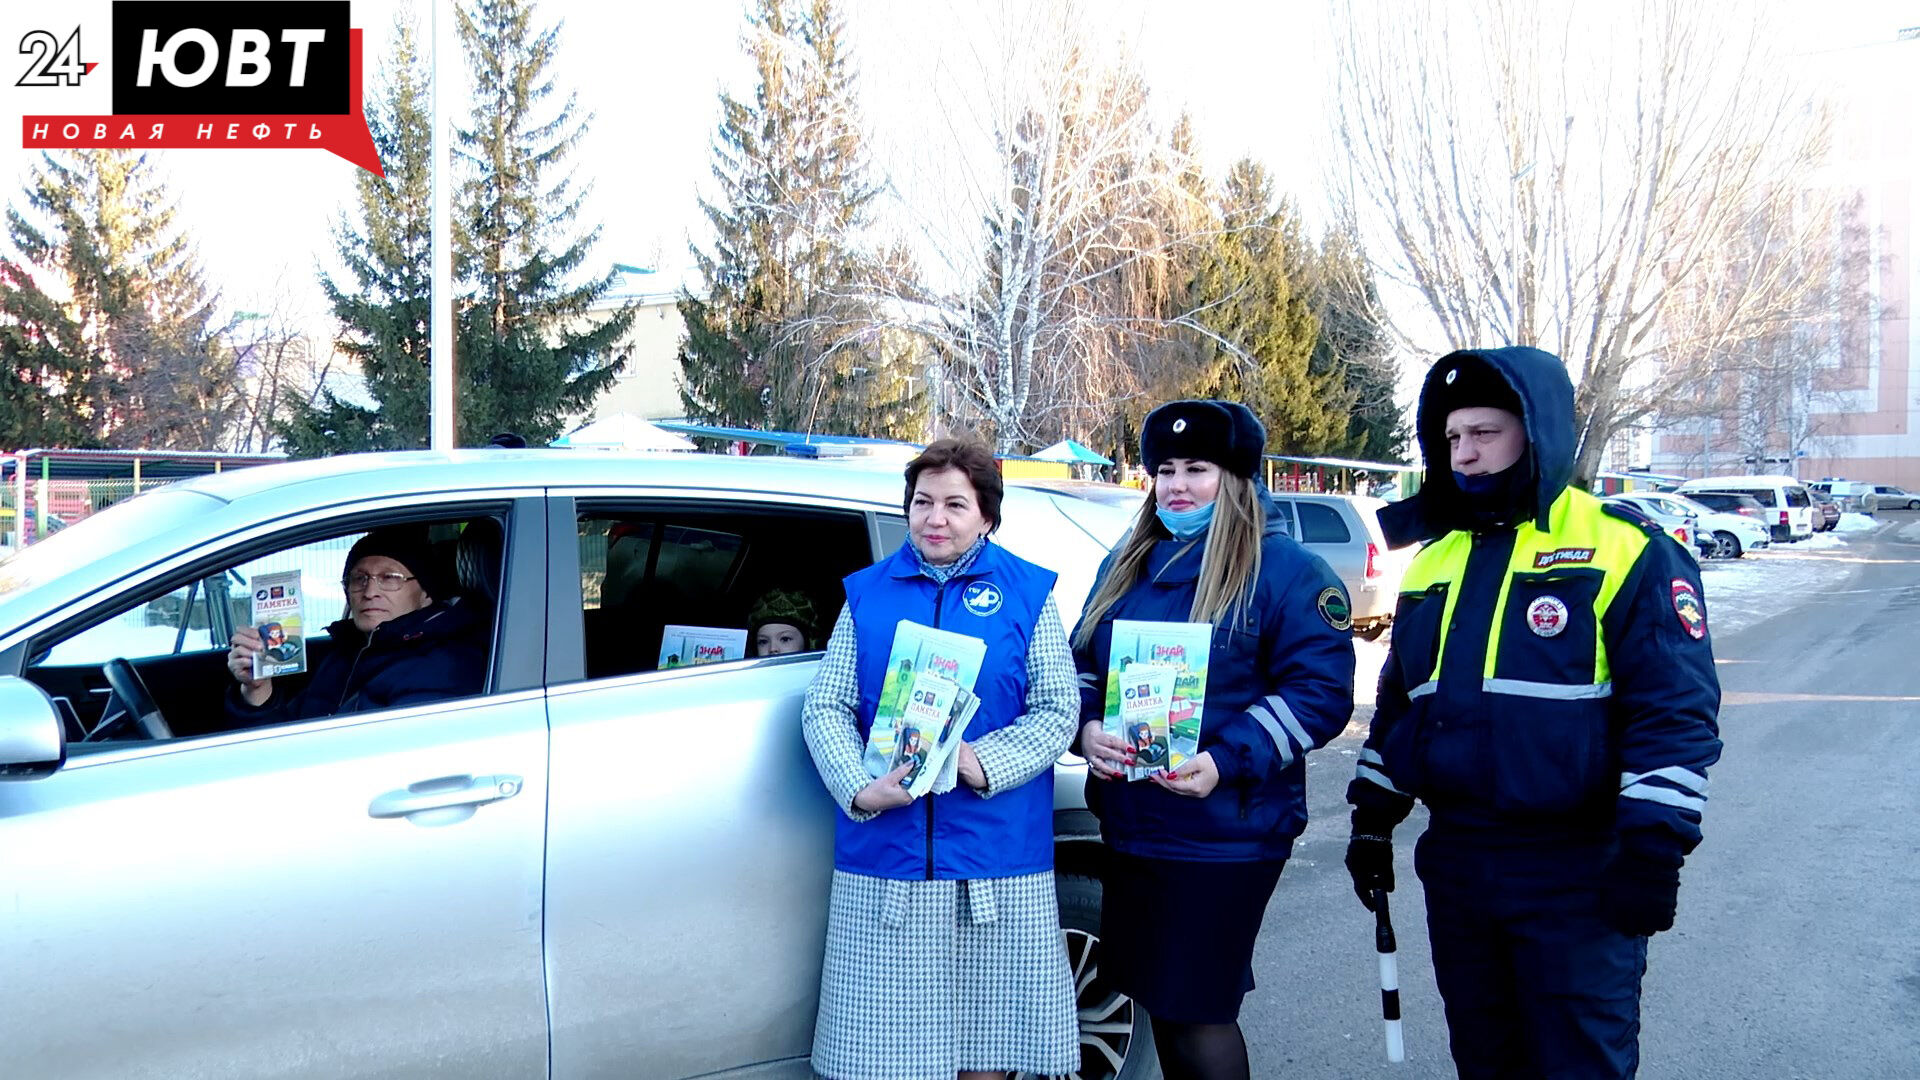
(1345, 531)
(594, 868)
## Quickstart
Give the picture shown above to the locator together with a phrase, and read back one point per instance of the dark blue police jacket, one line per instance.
(1279, 683)
(960, 834)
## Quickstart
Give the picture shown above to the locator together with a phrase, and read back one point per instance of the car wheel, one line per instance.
(1913, 504)
(1116, 1040)
(1729, 545)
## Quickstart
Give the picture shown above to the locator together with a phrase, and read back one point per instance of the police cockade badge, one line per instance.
(1452, 374)
(1179, 426)
(1547, 616)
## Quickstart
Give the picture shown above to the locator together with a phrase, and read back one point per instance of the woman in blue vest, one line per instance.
(943, 906)
(1196, 852)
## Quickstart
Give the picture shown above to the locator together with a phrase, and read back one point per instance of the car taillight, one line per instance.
(1783, 517)
(1749, 511)
(1373, 560)
(1681, 532)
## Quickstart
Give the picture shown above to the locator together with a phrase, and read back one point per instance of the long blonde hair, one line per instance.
(1227, 571)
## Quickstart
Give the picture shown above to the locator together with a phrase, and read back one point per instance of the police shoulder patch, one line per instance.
(1334, 608)
(1686, 604)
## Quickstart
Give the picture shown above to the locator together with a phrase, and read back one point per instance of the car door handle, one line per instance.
(442, 792)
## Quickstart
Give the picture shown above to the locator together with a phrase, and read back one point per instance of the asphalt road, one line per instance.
(1796, 955)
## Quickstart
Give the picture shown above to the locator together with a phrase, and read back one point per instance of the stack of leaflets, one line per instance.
(277, 618)
(926, 702)
(686, 646)
(1156, 691)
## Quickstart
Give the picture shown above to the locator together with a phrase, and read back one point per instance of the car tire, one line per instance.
(1112, 1028)
(1729, 545)
(1913, 504)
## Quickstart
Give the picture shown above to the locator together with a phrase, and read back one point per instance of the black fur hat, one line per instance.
(1223, 432)
(409, 546)
(1471, 382)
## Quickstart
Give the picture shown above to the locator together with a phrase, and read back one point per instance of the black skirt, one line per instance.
(1177, 937)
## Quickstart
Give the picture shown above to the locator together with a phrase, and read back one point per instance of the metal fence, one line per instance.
(53, 504)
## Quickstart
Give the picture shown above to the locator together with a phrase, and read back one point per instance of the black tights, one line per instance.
(1201, 1051)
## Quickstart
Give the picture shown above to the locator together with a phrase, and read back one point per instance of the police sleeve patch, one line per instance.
(1686, 604)
(1334, 608)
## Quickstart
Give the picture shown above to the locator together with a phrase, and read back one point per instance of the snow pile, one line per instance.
(1856, 523)
(1820, 542)
(1743, 592)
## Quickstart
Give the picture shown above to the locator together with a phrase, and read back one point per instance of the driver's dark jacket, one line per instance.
(432, 654)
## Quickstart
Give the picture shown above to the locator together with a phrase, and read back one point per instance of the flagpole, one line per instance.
(440, 342)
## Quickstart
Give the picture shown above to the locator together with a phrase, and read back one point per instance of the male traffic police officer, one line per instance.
(1551, 697)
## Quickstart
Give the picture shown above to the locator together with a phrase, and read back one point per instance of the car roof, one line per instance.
(414, 471)
(1709, 483)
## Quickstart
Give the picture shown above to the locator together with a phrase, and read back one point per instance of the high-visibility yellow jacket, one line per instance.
(1549, 681)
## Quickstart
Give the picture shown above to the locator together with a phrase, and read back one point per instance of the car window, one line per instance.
(674, 585)
(1284, 515)
(177, 643)
(1797, 496)
(1321, 524)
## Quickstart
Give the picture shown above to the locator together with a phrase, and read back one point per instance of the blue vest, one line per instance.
(957, 835)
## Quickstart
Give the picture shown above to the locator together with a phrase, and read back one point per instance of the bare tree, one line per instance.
(1573, 177)
(278, 364)
(1045, 285)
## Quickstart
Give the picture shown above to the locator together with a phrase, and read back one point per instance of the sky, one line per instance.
(651, 71)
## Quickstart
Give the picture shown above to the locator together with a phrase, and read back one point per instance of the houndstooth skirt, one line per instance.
(924, 979)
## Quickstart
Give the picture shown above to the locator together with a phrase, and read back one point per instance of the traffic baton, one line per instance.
(1389, 976)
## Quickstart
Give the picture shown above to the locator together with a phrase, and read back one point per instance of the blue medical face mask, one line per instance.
(1186, 524)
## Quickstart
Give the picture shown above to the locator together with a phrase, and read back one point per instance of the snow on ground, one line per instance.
(1744, 591)
(1909, 532)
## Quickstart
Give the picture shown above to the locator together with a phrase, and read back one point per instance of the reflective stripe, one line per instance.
(1291, 722)
(1266, 720)
(1664, 795)
(1686, 778)
(1423, 689)
(1088, 680)
(1556, 691)
(1370, 774)
(1371, 756)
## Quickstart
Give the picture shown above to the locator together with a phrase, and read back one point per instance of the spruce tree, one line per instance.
(384, 315)
(783, 338)
(1253, 293)
(129, 356)
(530, 354)
(1354, 343)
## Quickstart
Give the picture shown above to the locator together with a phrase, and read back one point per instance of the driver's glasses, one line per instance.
(380, 582)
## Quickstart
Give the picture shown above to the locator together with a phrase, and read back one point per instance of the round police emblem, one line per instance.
(1452, 375)
(1547, 616)
(982, 598)
(1179, 426)
(1333, 607)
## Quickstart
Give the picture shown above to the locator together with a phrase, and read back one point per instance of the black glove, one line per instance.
(1370, 861)
(1639, 895)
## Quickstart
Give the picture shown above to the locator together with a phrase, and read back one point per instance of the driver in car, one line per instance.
(406, 640)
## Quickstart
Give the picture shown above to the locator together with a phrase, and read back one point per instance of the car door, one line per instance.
(691, 841)
(353, 896)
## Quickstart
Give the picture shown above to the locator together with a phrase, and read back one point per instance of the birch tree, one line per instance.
(1044, 226)
(1569, 176)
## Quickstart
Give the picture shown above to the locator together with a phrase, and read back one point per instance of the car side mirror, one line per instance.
(33, 741)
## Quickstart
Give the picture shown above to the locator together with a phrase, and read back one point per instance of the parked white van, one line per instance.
(1789, 509)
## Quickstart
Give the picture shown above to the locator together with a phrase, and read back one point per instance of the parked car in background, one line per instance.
(1848, 493)
(1683, 526)
(1889, 496)
(1721, 534)
(1828, 508)
(1345, 531)
(559, 875)
(1789, 507)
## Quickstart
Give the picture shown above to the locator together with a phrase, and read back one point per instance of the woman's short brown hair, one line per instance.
(973, 458)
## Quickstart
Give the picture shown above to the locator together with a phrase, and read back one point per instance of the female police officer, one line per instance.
(1197, 852)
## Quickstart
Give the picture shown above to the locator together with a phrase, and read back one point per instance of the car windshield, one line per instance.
(96, 537)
